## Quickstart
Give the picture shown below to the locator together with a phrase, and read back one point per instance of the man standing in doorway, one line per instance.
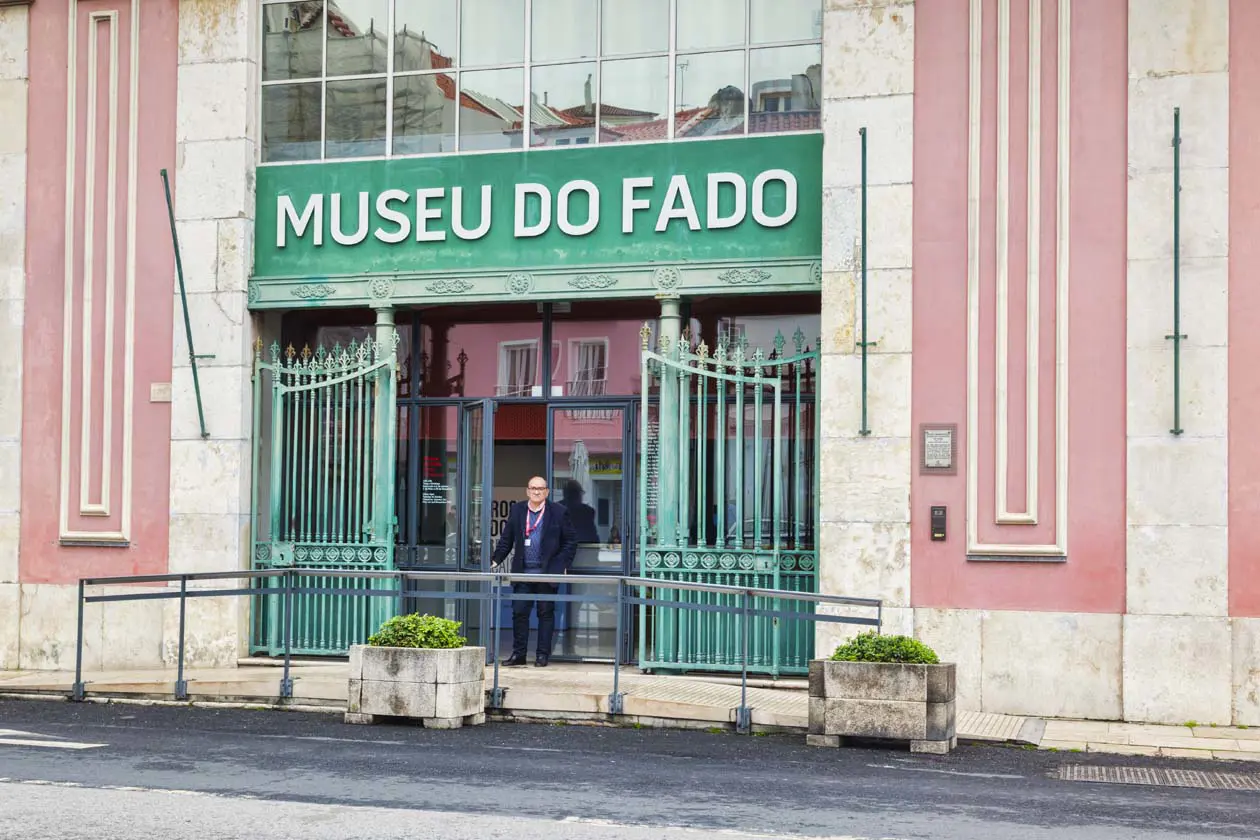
(545, 543)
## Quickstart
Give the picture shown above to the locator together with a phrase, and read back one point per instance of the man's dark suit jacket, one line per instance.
(559, 539)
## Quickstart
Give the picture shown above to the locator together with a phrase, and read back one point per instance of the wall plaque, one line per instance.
(938, 449)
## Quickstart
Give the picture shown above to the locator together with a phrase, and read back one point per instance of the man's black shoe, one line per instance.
(514, 661)
(541, 662)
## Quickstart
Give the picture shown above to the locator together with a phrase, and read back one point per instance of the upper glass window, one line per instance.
(384, 78)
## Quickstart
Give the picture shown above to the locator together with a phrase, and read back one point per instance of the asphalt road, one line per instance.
(90, 770)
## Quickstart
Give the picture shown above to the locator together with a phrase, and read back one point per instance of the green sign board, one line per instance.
(751, 198)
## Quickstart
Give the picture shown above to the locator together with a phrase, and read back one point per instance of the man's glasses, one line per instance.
(537, 489)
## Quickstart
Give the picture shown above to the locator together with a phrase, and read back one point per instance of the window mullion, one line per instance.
(672, 98)
(457, 78)
(599, 67)
(747, 106)
(323, 89)
(527, 106)
(389, 81)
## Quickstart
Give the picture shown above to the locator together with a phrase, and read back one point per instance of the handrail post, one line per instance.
(743, 715)
(496, 693)
(77, 692)
(865, 429)
(616, 705)
(1176, 336)
(286, 681)
(181, 685)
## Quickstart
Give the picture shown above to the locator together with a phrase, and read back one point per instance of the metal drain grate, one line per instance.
(1207, 780)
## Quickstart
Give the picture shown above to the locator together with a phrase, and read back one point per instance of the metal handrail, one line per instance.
(495, 595)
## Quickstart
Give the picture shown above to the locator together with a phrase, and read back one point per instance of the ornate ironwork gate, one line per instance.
(323, 488)
(728, 481)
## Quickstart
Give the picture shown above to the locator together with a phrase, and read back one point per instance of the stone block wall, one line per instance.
(868, 64)
(1177, 552)
(14, 83)
(214, 208)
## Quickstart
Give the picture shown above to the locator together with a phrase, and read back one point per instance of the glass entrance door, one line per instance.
(590, 466)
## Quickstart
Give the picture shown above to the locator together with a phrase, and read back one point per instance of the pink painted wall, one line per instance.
(1244, 309)
(44, 559)
(1093, 578)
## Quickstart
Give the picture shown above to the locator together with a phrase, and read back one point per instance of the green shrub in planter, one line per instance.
(872, 647)
(418, 631)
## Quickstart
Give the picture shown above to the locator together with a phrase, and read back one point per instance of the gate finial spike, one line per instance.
(779, 342)
(289, 352)
(645, 334)
(258, 346)
(703, 350)
(275, 352)
(798, 338)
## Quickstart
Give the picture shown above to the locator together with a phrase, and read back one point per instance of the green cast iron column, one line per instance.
(385, 438)
(667, 416)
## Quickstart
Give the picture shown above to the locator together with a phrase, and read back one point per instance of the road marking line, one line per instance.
(56, 745)
(4, 733)
(946, 772)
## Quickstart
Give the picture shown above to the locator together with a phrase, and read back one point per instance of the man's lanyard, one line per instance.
(531, 527)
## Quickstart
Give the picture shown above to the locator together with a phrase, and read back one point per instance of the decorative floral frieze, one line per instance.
(587, 282)
(449, 286)
(744, 276)
(313, 291)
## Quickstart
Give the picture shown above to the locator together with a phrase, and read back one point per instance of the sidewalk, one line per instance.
(1224, 742)
(579, 693)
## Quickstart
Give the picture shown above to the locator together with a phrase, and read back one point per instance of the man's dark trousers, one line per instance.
(520, 618)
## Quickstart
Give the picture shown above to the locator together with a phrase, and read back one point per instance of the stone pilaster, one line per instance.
(1177, 550)
(14, 74)
(214, 209)
(868, 61)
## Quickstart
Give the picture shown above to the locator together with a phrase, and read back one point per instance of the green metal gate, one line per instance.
(728, 486)
(323, 488)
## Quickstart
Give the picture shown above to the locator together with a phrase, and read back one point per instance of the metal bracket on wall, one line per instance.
(865, 430)
(183, 298)
(1177, 335)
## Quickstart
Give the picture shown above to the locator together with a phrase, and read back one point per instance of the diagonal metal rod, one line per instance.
(183, 298)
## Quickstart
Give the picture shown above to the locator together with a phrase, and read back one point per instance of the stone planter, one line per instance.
(896, 702)
(443, 688)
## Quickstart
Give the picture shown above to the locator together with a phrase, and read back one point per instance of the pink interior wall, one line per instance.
(1244, 308)
(43, 559)
(1093, 578)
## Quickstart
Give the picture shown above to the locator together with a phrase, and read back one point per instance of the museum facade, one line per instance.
(938, 303)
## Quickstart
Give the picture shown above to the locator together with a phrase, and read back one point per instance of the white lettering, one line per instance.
(679, 192)
(361, 232)
(544, 220)
(562, 208)
(286, 215)
(457, 214)
(759, 196)
(425, 214)
(397, 217)
(629, 203)
(716, 221)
